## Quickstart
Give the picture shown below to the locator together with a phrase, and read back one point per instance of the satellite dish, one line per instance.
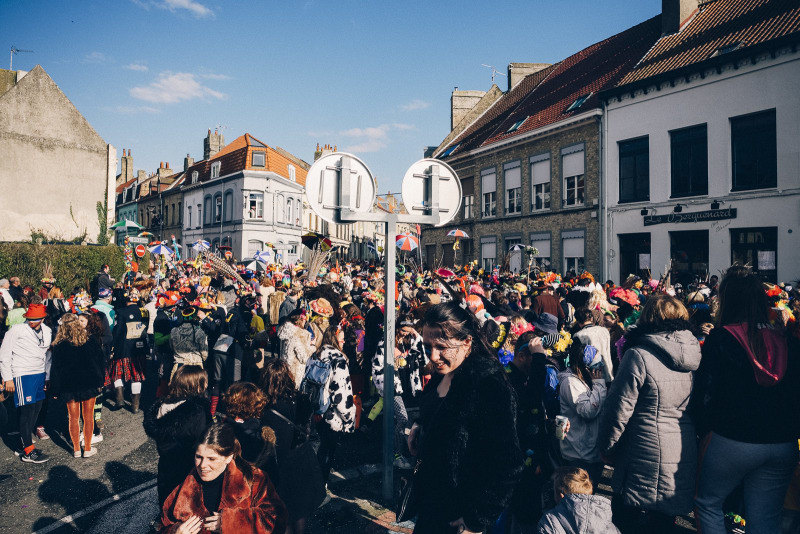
(418, 186)
(323, 189)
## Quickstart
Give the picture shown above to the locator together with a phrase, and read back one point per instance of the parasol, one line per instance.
(256, 266)
(126, 224)
(201, 245)
(145, 234)
(406, 242)
(161, 250)
(263, 256)
(457, 233)
(313, 239)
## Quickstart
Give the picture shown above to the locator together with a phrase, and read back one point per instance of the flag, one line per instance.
(419, 232)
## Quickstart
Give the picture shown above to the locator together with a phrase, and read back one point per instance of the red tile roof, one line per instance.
(542, 98)
(237, 156)
(719, 24)
(121, 187)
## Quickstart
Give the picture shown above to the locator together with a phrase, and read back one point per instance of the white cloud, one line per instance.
(133, 110)
(196, 8)
(415, 105)
(372, 138)
(214, 76)
(95, 57)
(174, 87)
(137, 67)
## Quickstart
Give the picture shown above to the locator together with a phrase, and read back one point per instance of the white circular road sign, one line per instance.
(322, 185)
(419, 183)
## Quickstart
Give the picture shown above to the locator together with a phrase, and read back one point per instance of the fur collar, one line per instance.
(634, 336)
(189, 500)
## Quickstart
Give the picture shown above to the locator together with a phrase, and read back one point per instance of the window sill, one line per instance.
(517, 214)
(689, 197)
(643, 201)
(573, 207)
(754, 190)
(540, 211)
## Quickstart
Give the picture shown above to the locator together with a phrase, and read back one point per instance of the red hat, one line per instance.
(36, 312)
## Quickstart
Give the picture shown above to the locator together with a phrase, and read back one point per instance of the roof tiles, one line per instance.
(719, 24)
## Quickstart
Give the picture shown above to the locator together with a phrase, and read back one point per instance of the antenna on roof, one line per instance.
(15, 50)
(219, 127)
(495, 72)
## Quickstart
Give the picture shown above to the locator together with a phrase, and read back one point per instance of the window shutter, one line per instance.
(513, 175)
(573, 247)
(572, 164)
(488, 181)
(540, 172)
(542, 244)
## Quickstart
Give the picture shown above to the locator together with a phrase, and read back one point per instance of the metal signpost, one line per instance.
(341, 189)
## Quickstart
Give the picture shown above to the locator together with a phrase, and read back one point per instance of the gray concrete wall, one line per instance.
(54, 167)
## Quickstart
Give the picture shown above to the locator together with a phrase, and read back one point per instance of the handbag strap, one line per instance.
(287, 420)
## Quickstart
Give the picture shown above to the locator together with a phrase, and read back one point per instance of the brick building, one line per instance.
(530, 161)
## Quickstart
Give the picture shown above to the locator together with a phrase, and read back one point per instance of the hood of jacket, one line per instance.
(672, 342)
(165, 418)
(589, 514)
(769, 367)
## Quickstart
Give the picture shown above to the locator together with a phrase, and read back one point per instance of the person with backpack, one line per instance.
(327, 383)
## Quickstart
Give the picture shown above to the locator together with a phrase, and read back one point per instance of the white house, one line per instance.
(702, 146)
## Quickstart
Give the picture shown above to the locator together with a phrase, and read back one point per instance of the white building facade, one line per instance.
(702, 170)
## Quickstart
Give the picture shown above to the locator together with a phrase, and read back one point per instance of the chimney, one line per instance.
(187, 162)
(676, 12)
(127, 165)
(141, 176)
(518, 71)
(461, 102)
(212, 144)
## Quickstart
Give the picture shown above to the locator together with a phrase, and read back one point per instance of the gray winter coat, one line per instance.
(579, 514)
(646, 427)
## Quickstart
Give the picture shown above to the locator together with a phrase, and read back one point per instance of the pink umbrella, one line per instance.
(406, 242)
(457, 233)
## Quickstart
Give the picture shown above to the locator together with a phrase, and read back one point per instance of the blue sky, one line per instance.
(372, 77)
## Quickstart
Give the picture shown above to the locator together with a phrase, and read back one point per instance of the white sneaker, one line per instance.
(89, 453)
(76, 454)
(96, 438)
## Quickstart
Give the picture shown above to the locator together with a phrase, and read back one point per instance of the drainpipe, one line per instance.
(601, 126)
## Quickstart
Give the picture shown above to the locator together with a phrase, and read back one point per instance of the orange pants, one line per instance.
(74, 409)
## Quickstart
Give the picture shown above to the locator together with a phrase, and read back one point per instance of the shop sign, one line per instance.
(691, 217)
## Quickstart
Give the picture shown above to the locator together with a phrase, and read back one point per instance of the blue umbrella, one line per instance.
(161, 250)
(264, 256)
(201, 245)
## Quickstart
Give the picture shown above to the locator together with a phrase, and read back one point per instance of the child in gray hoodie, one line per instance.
(577, 511)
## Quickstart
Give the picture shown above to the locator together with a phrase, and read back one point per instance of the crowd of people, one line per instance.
(515, 396)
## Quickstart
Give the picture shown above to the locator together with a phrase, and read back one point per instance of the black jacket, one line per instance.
(469, 448)
(730, 402)
(176, 425)
(130, 332)
(77, 369)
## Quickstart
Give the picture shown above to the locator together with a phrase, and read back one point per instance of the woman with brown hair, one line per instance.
(223, 493)
(748, 392)
(176, 422)
(288, 413)
(243, 405)
(77, 375)
(646, 428)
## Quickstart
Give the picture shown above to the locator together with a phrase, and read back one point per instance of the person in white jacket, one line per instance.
(582, 392)
(296, 345)
(597, 336)
(25, 369)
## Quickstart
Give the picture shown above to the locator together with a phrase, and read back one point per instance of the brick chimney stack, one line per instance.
(187, 162)
(676, 12)
(518, 71)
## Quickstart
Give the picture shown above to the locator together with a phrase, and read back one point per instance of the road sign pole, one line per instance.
(388, 364)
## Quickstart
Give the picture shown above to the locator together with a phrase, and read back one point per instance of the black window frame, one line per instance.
(762, 145)
(636, 150)
(688, 161)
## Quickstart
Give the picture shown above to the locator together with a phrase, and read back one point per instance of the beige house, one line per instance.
(54, 167)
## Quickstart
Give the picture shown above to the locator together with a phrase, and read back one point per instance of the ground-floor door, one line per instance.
(689, 253)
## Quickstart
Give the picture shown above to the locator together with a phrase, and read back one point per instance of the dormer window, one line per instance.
(259, 159)
(579, 102)
(727, 49)
(195, 175)
(215, 169)
(451, 150)
(516, 125)
(291, 172)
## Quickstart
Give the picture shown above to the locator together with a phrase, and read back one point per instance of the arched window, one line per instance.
(279, 209)
(165, 216)
(289, 210)
(226, 241)
(291, 172)
(228, 205)
(254, 246)
(298, 215)
(180, 212)
(207, 209)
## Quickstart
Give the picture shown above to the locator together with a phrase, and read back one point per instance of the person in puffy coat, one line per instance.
(296, 344)
(578, 511)
(646, 428)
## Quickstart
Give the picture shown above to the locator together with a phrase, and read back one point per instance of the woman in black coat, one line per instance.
(467, 442)
(76, 375)
(288, 413)
(176, 423)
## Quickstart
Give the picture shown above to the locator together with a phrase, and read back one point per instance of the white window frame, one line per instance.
(218, 207)
(512, 178)
(188, 216)
(573, 170)
(215, 167)
(258, 198)
(195, 175)
(260, 153)
(292, 172)
(489, 194)
(541, 189)
(571, 261)
(469, 208)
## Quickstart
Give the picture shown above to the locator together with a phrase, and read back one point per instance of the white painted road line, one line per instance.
(96, 506)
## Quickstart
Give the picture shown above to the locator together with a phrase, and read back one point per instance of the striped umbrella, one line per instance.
(125, 223)
(406, 242)
(457, 233)
(161, 250)
(201, 245)
(264, 256)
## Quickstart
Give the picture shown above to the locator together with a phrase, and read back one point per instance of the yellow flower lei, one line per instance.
(497, 342)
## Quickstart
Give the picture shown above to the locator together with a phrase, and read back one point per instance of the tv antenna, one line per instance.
(15, 50)
(495, 72)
